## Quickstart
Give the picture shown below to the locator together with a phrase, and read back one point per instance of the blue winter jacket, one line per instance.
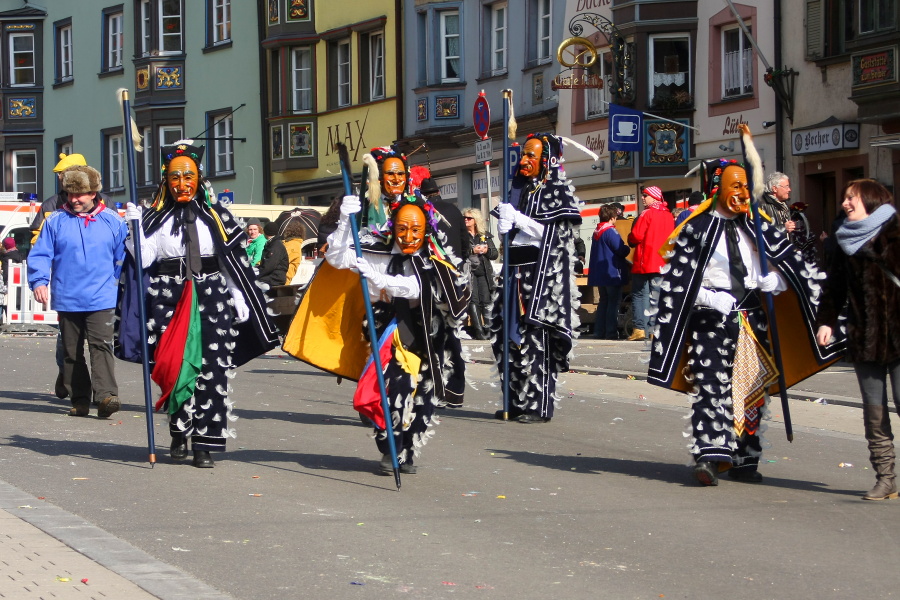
(607, 259)
(81, 262)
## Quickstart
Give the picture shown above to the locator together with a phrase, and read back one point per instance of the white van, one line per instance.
(15, 221)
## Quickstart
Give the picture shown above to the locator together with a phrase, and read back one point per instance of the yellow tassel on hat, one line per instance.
(69, 161)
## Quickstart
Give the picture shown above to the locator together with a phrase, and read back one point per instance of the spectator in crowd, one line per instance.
(694, 200)
(608, 271)
(481, 272)
(863, 271)
(294, 234)
(11, 254)
(79, 252)
(273, 266)
(775, 200)
(257, 241)
(648, 234)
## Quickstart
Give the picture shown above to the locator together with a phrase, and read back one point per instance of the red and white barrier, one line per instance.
(21, 307)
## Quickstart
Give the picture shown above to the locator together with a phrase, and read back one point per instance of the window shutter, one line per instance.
(815, 29)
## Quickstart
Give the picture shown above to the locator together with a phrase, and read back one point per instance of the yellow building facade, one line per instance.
(332, 76)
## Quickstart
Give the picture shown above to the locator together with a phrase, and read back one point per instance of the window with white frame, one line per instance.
(24, 171)
(115, 41)
(146, 28)
(149, 175)
(596, 100)
(21, 59)
(223, 145)
(543, 30)
(301, 79)
(376, 66)
(221, 21)
(498, 38)
(115, 161)
(66, 148)
(670, 71)
(737, 63)
(169, 134)
(450, 46)
(343, 73)
(64, 65)
(170, 26)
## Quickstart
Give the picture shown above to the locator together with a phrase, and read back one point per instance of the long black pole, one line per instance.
(504, 197)
(344, 158)
(773, 325)
(142, 305)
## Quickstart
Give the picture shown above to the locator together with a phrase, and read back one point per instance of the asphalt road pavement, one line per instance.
(597, 503)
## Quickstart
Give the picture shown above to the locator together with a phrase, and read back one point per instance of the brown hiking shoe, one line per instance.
(80, 410)
(108, 406)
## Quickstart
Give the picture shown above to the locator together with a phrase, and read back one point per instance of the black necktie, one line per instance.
(736, 267)
(192, 258)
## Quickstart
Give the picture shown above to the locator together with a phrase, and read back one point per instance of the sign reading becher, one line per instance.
(837, 136)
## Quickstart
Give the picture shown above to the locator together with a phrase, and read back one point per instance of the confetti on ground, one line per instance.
(820, 401)
(631, 377)
(484, 587)
(642, 397)
(255, 477)
(360, 524)
(84, 581)
(26, 506)
(845, 465)
(425, 534)
(177, 549)
(63, 579)
(40, 498)
(771, 460)
(79, 479)
(447, 583)
(470, 493)
(357, 583)
(256, 495)
(501, 497)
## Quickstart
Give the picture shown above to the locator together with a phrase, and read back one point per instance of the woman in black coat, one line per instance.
(863, 273)
(481, 272)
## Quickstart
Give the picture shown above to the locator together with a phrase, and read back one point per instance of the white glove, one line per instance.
(132, 212)
(507, 218)
(767, 283)
(241, 310)
(720, 301)
(376, 280)
(350, 205)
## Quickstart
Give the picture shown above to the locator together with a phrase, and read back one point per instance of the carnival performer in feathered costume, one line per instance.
(418, 299)
(542, 218)
(710, 338)
(206, 313)
(386, 176)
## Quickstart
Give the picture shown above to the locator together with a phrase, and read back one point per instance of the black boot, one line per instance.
(178, 448)
(202, 460)
(475, 319)
(881, 451)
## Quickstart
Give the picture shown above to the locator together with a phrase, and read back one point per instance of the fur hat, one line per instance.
(81, 179)
(68, 161)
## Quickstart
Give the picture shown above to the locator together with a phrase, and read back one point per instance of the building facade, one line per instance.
(189, 74)
(333, 75)
(453, 51)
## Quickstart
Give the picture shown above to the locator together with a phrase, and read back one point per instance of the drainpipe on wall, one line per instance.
(779, 111)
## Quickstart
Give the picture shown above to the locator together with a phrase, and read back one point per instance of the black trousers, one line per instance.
(95, 328)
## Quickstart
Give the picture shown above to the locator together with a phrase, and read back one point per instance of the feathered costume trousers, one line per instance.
(536, 356)
(410, 395)
(204, 417)
(711, 351)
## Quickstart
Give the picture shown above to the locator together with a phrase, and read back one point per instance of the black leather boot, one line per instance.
(178, 448)
(202, 460)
